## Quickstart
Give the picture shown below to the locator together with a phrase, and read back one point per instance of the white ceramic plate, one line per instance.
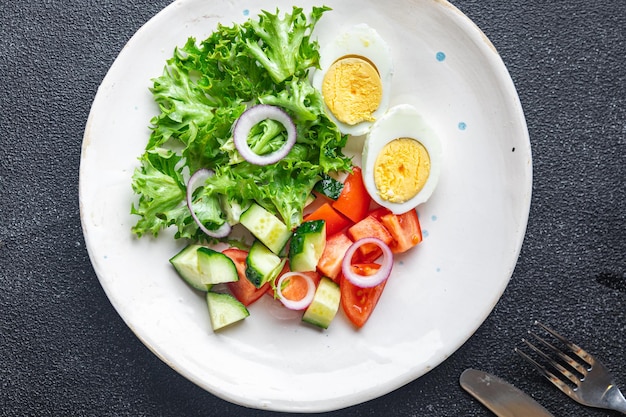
(439, 293)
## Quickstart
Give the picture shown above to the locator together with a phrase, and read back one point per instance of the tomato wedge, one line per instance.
(335, 221)
(297, 287)
(359, 303)
(369, 227)
(330, 263)
(243, 290)
(379, 212)
(354, 200)
(405, 230)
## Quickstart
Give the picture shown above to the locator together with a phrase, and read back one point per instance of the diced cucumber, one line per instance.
(186, 264)
(325, 304)
(224, 309)
(266, 227)
(307, 245)
(262, 265)
(215, 267)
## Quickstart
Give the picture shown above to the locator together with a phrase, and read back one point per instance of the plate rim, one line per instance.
(505, 81)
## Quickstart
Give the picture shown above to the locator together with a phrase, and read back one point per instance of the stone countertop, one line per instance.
(65, 351)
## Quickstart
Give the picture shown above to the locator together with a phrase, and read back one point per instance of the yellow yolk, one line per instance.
(352, 90)
(401, 170)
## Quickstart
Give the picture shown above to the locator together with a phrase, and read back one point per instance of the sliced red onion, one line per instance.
(296, 304)
(251, 117)
(371, 280)
(196, 180)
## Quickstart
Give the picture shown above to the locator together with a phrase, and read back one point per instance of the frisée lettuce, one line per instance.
(204, 88)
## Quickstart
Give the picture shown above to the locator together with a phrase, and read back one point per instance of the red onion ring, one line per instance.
(302, 303)
(251, 117)
(194, 182)
(371, 280)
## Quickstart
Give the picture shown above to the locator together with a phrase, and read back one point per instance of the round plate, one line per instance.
(439, 293)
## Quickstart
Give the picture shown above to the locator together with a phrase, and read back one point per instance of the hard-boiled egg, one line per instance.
(401, 159)
(355, 78)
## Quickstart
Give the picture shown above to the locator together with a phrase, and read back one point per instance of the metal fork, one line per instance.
(580, 376)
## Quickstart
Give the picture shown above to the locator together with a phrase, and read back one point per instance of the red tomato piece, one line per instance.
(335, 221)
(297, 288)
(379, 212)
(359, 303)
(354, 201)
(332, 257)
(313, 274)
(369, 227)
(405, 229)
(243, 290)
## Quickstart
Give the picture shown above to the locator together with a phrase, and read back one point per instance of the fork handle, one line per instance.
(616, 400)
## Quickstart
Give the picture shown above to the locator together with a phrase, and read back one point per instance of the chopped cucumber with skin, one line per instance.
(266, 227)
(262, 265)
(224, 309)
(325, 304)
(186, 264)
(307, 245)
(215, 267)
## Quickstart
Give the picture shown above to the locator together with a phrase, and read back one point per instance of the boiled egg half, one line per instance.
(355, 78)
(401, 159)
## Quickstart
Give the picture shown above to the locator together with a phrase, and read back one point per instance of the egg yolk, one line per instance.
(352, 89)
(401, 170)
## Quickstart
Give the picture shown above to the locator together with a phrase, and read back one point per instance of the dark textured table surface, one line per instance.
(64, 351)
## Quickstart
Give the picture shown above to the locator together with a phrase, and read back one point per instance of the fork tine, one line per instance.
(557, 382)
(577, 350)
(562, 370)
(565, 357)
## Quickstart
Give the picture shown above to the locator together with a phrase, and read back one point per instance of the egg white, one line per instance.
(359, 40)
(401, 121)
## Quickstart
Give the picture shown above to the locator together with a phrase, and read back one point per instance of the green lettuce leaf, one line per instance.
(205, 86)
(162, 193)
(284, 46)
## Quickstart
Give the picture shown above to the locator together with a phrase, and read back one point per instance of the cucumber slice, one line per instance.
(325, 304)
(307, 245)
(215, 267)
(262, 265)
(224, 309)
(186, 264)
(266, 227)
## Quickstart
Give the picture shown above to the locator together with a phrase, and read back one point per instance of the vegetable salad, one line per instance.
(243, 137)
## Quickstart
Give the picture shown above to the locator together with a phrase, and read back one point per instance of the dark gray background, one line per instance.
(64, 351)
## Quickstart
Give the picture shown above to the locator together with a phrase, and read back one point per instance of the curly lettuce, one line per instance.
(205, 86)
